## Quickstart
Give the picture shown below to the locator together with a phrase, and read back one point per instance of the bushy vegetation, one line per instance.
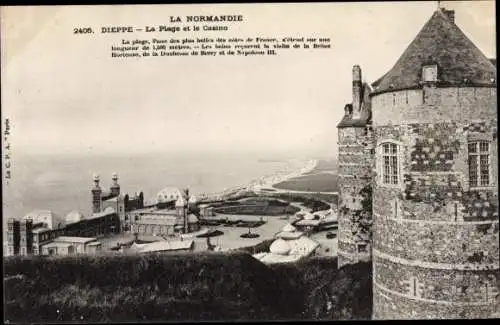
(200, 286)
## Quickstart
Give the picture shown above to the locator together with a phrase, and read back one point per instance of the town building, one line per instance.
(66, 245)
(317, 221)
(27, 235)
(44, 232)
(435, 236)
(113, 200)
(170, 216)
(40, 227)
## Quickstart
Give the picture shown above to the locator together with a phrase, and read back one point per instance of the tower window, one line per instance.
(396, 208)
(390, 163)
(414, 287)
(490, 292)
(479, 164)
(429, 73)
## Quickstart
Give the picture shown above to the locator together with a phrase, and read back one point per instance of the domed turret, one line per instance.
(74, 216)
(192, 218)
(289, 228)
(308, 216)
(96, 180)
(180, 203)
(115, 187)
(193, 200)
(168, 194)
(280, 247)
(109, 210)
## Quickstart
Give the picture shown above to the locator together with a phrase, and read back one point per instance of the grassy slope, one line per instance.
(203, 286)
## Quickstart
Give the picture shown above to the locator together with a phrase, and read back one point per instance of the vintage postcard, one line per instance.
(250, 162)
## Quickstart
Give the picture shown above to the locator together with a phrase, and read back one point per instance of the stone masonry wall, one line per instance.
(436, 239)
(355, 178)
(466, 103)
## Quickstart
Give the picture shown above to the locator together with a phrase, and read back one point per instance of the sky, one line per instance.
(64, 94)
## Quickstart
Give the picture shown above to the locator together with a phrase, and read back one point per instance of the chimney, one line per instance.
(356, 91)
(450, 14)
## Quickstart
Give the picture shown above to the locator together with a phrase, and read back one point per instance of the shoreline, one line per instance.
(263, 181)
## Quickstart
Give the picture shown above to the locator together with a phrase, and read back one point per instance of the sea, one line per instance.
(63, 183)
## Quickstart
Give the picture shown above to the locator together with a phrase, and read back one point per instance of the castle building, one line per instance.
(435, 246)
(356, 159)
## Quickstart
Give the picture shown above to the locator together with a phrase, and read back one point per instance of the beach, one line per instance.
(294, 169)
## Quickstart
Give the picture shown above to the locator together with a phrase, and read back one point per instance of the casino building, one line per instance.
(169, 217)
(45, 232)
(29, 234)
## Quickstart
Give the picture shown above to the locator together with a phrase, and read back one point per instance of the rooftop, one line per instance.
(289, 234)
(57, 244)
(440, 42)
(158, 221)
(365, 115)
(49, 218)
(307, 222)
(74, 216)
(69, 239)
(101, 214)
(95, 243)
(162, 245)
(39, 230)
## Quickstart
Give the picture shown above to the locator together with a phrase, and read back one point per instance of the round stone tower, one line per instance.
(435, 199)
(355, 143)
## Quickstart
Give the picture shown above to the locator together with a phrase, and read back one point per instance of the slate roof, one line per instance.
(439, 42)
(162, 245)
(71, 239)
